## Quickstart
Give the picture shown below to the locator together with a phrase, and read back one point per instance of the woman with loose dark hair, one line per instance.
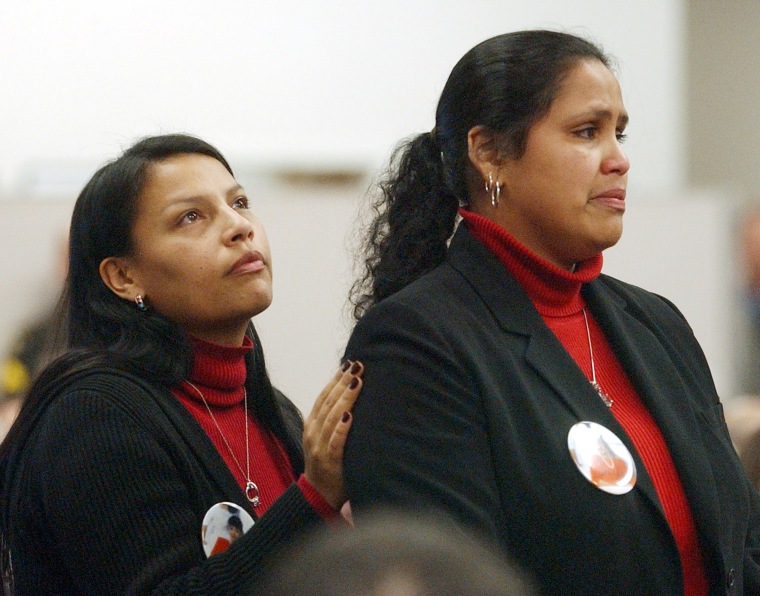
(160, 410)
(569, 416)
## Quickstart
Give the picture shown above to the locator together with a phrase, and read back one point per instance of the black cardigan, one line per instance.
(109, 492)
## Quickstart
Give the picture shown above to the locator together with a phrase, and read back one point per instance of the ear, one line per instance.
(116, 274)
(483, 150)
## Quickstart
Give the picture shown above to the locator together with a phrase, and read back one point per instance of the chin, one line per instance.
(611, 242)
(609, 238)
(260, 305)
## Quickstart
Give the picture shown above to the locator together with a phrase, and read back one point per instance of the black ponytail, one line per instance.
(414, 216)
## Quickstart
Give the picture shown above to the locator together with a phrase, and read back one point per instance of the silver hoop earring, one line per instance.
(140, 303)
(494, 188)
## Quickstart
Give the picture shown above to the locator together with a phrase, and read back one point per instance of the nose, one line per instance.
(616, 161)
(239, 227)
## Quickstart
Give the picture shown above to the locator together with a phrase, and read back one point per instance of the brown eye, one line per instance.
(190, 217)
(587, 133)
(241, 203)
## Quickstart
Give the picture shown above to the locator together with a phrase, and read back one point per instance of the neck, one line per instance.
(553, 290)
(521, 235)
(219, 371)
(232, 336)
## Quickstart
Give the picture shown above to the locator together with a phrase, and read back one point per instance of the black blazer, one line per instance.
(109, 492)
(467, 401)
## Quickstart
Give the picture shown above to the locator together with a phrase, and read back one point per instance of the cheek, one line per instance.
(261, 238)
(170, 276)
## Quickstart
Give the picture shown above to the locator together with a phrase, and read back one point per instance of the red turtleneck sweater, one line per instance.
(219, 373)
(556, 294)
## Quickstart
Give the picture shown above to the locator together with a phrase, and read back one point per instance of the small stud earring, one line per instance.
(140, 303)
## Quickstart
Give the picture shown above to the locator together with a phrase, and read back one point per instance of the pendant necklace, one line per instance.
(605, 398)
(251, 490)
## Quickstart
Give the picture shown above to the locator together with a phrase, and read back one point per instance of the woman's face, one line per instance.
(564, 198)
(201, 257)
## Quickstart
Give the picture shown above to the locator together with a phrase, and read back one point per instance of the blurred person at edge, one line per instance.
(160, 413)
(569, 416)
(749, 250)
(32, 348)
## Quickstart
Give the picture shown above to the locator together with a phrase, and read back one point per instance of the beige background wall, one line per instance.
(722, 93)
(332, 86)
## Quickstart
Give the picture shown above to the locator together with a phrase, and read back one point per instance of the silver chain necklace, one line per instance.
(251, 490)
(605, 398)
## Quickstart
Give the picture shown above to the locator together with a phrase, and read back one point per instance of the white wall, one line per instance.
(318, 81)
(683, 246)
(331, 84)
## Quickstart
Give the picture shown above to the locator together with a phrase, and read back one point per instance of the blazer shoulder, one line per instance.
(663, 320)
(430, 300)
(639, 298)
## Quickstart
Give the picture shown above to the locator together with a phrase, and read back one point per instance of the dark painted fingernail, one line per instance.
(345, 365)
(356, 368)
(354, 383)
(346, 417)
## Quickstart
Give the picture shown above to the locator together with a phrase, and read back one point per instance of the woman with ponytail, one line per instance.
(569, 417)
(158, 423)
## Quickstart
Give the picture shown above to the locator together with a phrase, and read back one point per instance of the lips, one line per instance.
(613, 193)
(250, 262)
(613, 198)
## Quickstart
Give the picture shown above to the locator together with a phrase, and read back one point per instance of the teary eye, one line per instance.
(588, 132)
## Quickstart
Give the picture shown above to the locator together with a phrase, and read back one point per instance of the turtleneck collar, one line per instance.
(553, 291)
(219, 372)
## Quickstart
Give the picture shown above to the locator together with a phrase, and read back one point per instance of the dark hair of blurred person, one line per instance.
(395, 554)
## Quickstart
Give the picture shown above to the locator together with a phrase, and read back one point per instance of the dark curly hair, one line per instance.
(506, 84)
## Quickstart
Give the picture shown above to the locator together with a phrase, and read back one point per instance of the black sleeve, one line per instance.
(115, 507)
(419, 437)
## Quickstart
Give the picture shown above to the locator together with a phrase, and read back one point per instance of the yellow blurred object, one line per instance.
(15, 376)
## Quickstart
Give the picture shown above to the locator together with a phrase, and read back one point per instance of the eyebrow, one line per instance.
(607, 115)
(233, 190)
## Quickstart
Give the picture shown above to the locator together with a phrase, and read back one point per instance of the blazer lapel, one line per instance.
(515, 313)
(656, 371)
(665, 392)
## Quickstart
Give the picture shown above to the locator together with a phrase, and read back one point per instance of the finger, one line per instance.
(313, 431)
(342, 406)
(324, 394)
(326, 405)
(340, 434)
